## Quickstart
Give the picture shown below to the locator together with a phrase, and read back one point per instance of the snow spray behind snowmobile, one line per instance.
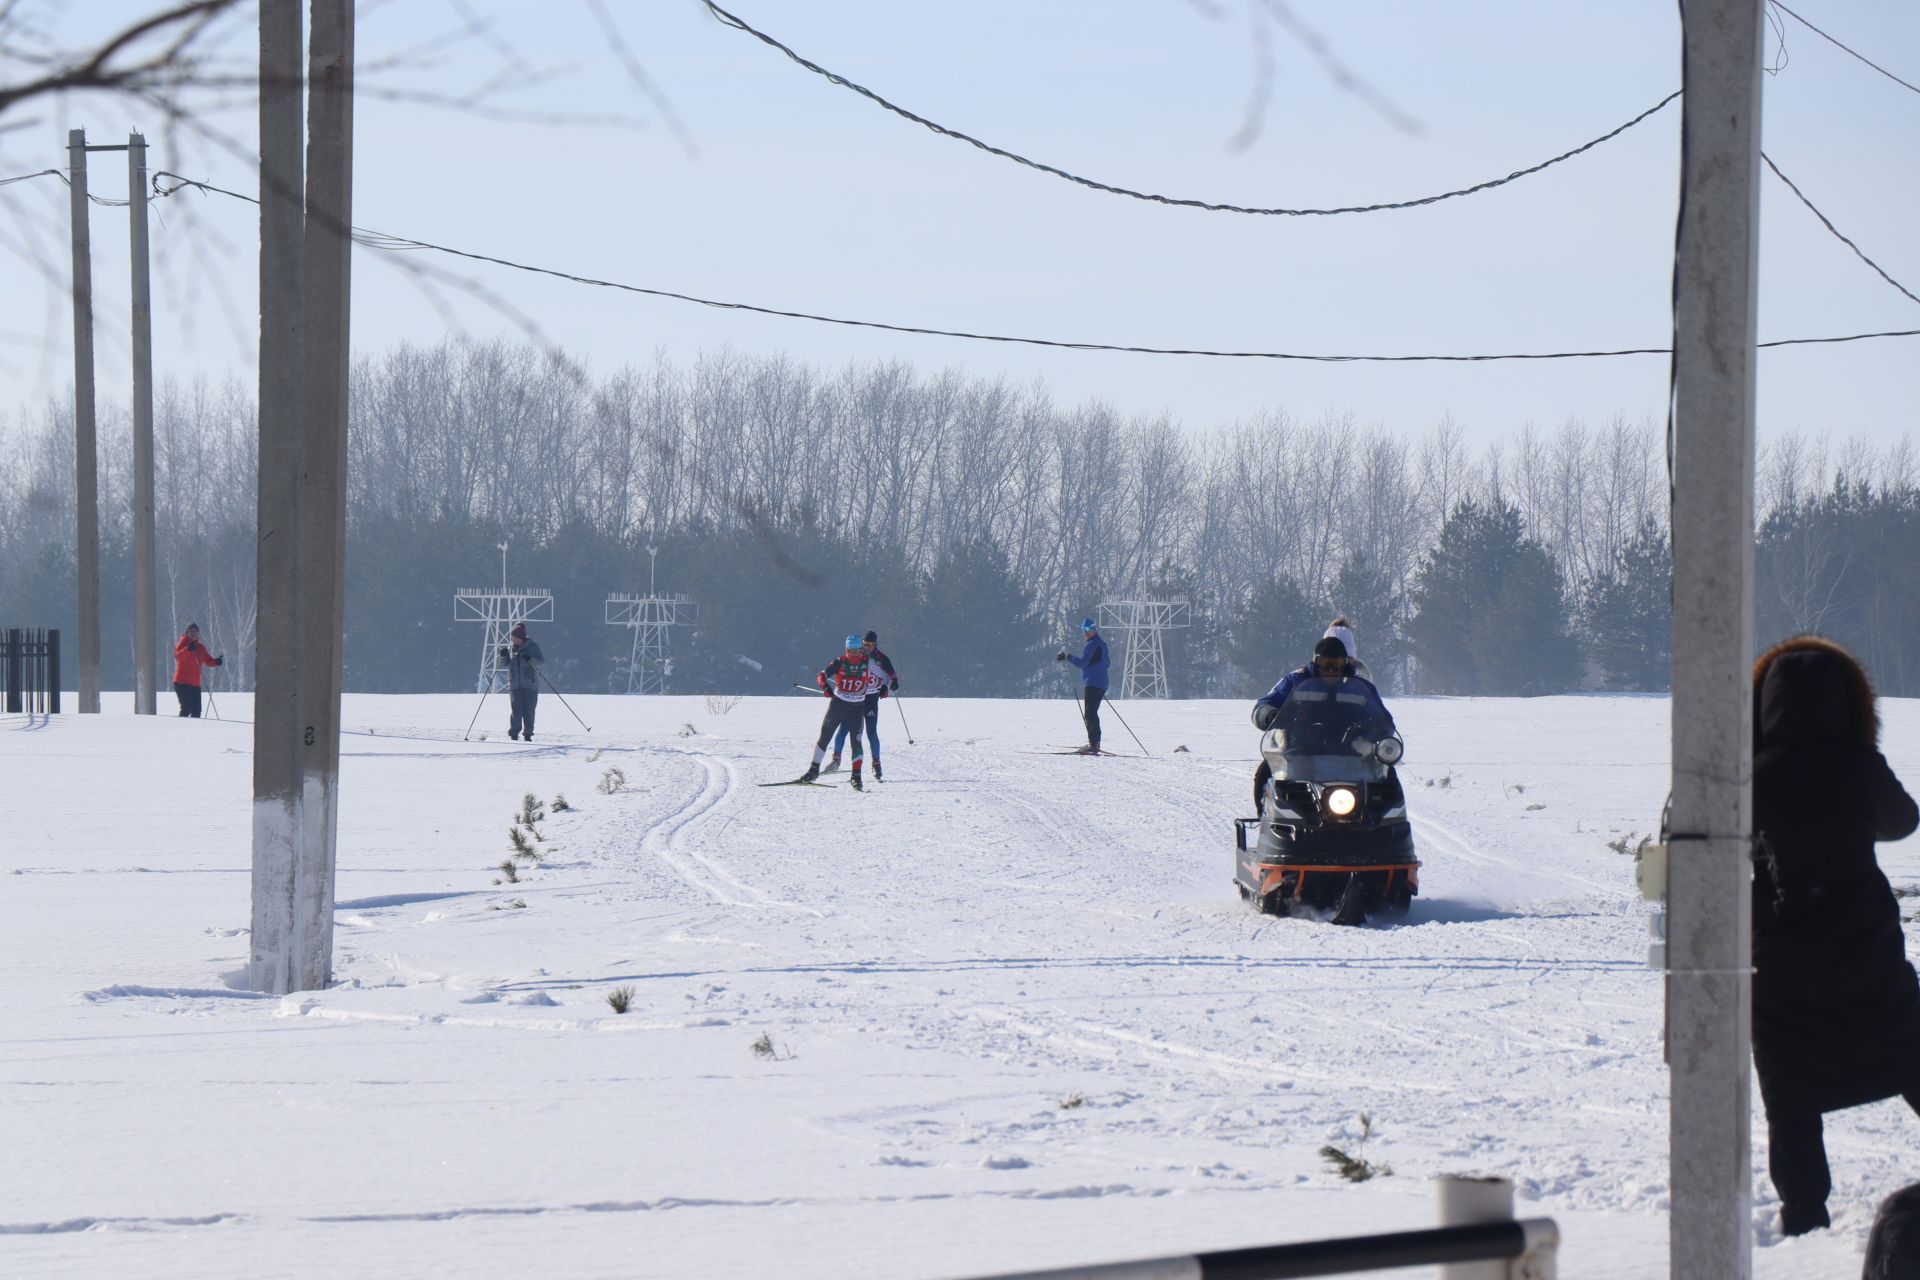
(1332, 835)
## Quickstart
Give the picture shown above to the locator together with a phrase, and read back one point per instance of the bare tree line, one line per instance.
(1086, 501)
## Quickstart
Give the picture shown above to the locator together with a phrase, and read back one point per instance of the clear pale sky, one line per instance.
(804, 196)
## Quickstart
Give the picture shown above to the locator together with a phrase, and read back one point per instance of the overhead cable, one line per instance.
(1837, 234)
(1210, 206)
(56, 173)
(392, 243)
(1844, 49)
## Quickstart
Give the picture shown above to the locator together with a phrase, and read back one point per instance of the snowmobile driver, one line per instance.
(1330, 662)
(847, 681)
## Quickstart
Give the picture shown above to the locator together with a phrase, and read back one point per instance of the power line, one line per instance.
(1844, 49)
(1111, 189)
(393, 243)
(1828, 224)
(103, 201)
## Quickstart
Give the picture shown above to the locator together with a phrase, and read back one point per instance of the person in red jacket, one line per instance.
(189, 656)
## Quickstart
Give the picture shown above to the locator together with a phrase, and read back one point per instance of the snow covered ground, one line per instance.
(1018, 1016)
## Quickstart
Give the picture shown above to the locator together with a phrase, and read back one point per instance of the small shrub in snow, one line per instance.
(718, 704)
(1073, 1102)
(596, 755)
(512, 904)
(521, 849)
(620, 998)
(1628, 843)
(688, 731)
(560, 804)
(509, 870)
(764, 1047)
(530, 810)
(1356, 1167)
(611, 781)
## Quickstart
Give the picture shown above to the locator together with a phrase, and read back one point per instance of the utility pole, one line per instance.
(144, 639)
(285, 909)
(323, 513)
(1709, 956)
(86, 464)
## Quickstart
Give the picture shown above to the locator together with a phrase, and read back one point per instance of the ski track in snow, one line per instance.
(997, 979)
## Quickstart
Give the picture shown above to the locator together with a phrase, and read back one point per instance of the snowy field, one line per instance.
(1018, 1015)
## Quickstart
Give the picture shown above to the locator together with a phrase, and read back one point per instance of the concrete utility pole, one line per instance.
(86, 464)
(1709, 981)
(286, 955)
(323, 514)
(145, 641)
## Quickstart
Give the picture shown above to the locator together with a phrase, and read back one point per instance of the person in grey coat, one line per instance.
(522, 660)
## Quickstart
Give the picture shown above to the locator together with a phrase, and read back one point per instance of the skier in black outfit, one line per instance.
(522, 660)
(890, 681)
(1836, 1007)
(847, 681)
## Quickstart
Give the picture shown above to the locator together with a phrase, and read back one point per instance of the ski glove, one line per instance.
(1060, 656)
(219, 661)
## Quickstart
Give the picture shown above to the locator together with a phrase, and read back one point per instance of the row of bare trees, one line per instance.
(1086, 502)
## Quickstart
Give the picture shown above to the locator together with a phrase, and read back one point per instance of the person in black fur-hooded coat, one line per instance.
(1836, 1007)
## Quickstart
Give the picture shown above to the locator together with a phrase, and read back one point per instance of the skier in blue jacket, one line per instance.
(1093, 663)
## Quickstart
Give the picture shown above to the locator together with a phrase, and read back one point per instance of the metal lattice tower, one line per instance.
(500, 611)
(651, 616)
(1144, 672)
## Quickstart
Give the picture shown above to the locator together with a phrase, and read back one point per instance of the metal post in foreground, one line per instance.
(145, 640)
(283, 908)
(86, 466)
(325, 291)
(1525, 1248)
(1709, 986)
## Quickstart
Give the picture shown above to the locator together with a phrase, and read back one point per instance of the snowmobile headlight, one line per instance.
(1341, 801)
(1389, 750)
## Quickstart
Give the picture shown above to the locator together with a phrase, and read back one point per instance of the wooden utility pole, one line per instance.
(1709, 950)
(86, 464)
(145, 639)
(323, 512)
(286, 908)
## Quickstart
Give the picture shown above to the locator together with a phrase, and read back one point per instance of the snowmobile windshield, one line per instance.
(1319, 727)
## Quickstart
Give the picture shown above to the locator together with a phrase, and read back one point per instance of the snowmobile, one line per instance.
(1332, 839)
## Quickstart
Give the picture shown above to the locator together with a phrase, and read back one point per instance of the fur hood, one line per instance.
(1808, 690)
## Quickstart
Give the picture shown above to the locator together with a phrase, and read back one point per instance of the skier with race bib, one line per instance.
(887, 682)
(847, 681)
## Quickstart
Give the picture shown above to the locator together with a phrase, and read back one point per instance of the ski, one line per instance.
(1119, 755)
(795, 782)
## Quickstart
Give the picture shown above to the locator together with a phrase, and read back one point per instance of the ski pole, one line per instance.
(810, 688)
(213, 710)
(476, 711)
(903, 718)
(570, 710)
(1129, 728)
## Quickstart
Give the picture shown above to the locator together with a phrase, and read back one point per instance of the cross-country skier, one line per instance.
(522, 659)
(847, 681)
(1330, 662)
(888, 682)
(1093, 663)
(189, 658)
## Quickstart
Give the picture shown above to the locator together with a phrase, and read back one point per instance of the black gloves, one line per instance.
(506, 654)
(1060, 656)
(220, 661)
(895, 686)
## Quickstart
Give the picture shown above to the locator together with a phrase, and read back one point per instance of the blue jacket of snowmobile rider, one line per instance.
(1278, 694)
(1093, 662)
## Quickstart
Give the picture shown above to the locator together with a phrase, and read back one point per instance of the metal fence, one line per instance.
(30, 670)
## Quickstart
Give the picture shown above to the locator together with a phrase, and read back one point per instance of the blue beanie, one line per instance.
(1086, 624)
